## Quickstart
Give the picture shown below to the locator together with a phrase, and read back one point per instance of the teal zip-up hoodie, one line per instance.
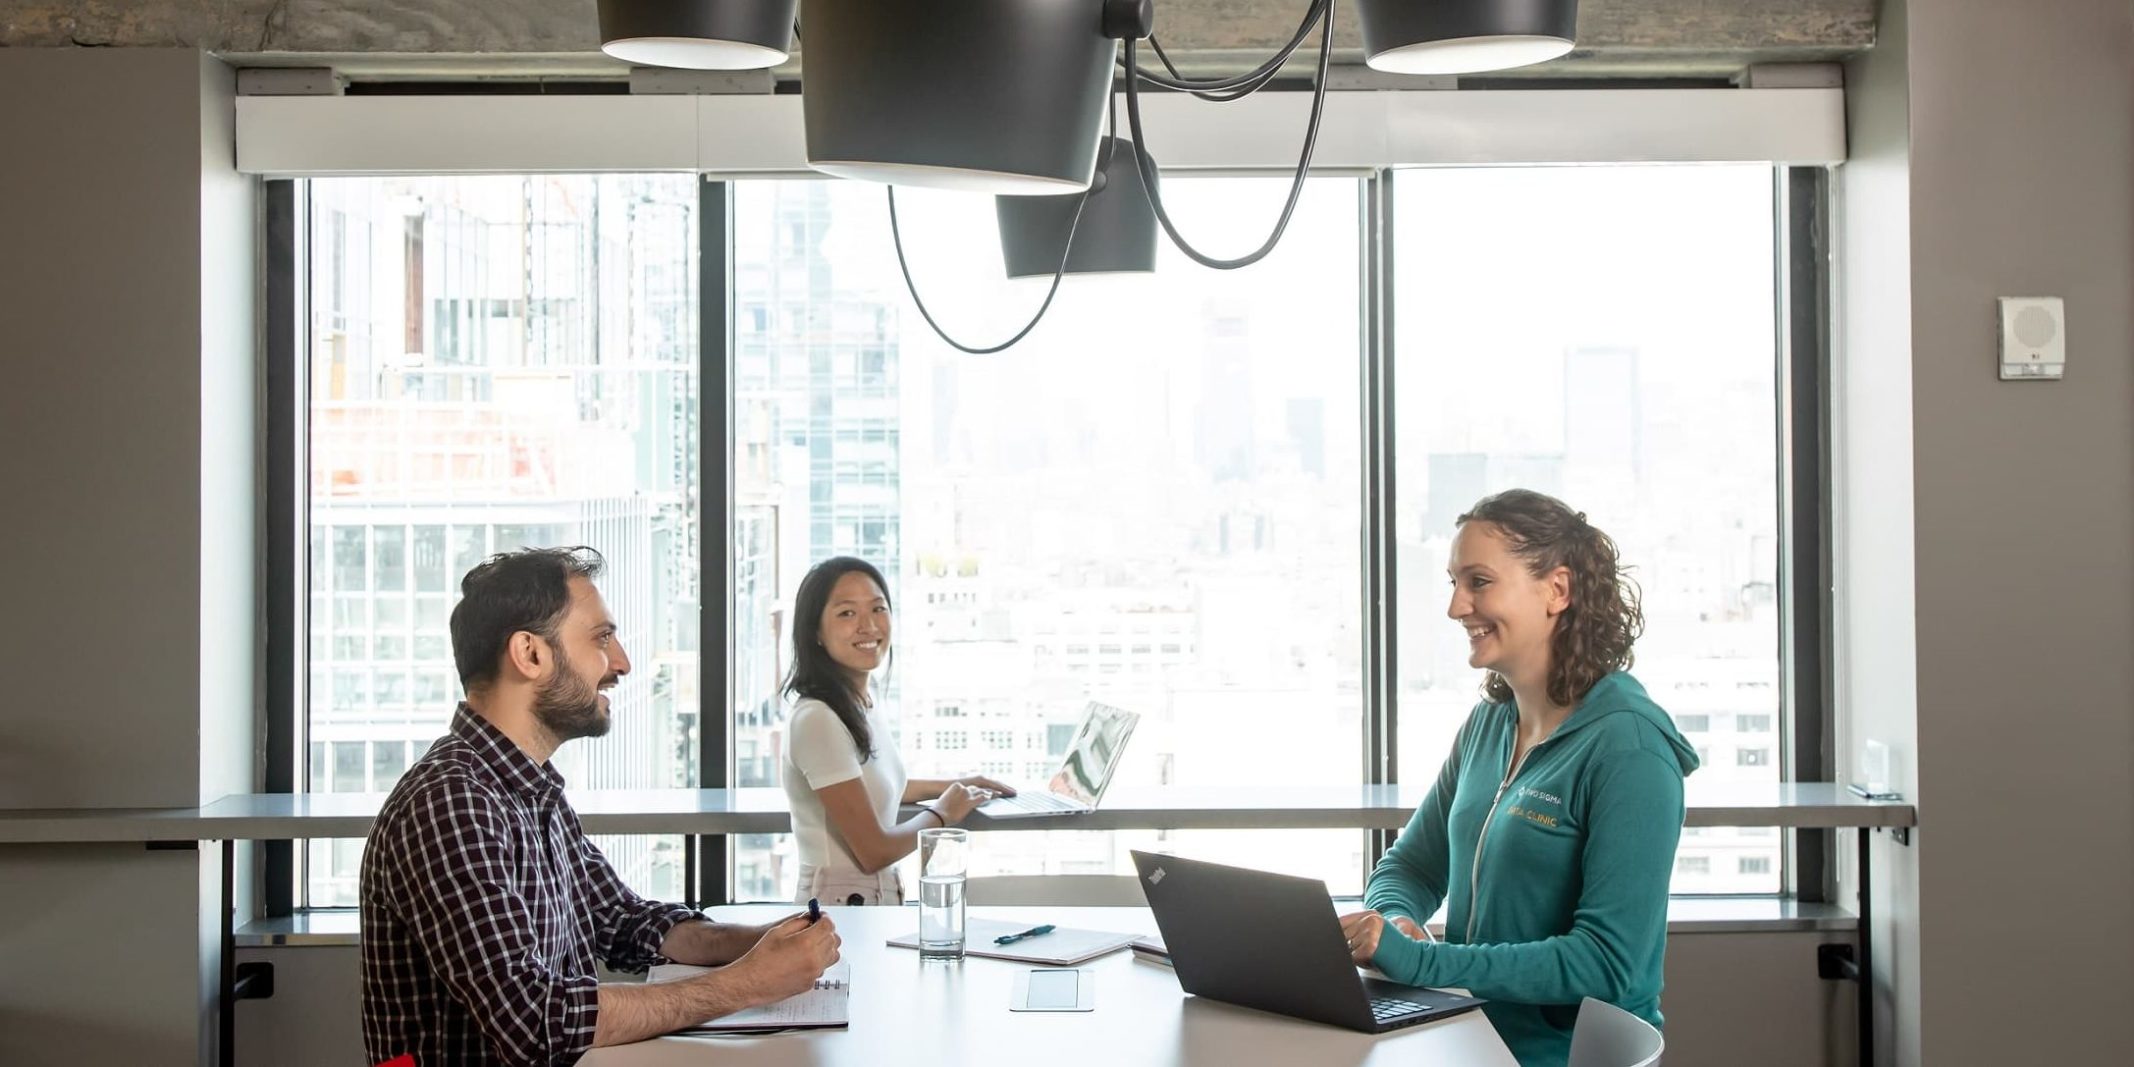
(1555, 877)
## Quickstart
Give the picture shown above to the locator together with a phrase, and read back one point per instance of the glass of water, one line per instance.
(944, 861)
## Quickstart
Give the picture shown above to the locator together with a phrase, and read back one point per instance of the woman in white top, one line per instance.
(844, 789)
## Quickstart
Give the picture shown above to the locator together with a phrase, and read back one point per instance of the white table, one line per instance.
(907, 1011)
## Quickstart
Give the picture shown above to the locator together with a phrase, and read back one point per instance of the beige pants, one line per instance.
(848, 886)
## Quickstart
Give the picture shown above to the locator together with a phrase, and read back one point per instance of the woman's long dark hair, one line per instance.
(1593, 636)
(814, 675)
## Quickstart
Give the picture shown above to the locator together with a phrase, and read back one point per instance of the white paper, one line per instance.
(1062, 947)
(828, 1004)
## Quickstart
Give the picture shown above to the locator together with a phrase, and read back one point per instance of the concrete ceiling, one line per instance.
(454, 39)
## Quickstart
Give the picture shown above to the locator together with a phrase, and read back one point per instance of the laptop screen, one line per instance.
(1093, 754)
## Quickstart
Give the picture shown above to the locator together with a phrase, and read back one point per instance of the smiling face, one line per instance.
(855, 627)
(1509, 612)
(571, 702)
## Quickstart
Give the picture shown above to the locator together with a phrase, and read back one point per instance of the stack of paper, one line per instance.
(1151, 948)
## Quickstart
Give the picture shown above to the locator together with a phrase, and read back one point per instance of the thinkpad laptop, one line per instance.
(1273, 942)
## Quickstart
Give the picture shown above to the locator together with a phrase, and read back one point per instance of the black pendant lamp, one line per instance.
(1464, 36)
(1115, 233)
(986, 96)
(698, 34)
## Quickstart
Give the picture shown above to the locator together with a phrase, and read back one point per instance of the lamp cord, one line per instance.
(1239, 93)
(1207, 88)
(896, 238)
(1145, 166)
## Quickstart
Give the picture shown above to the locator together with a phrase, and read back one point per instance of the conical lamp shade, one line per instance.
(987, 96)
(1464, 36)
(1116, 234)
(698, 34)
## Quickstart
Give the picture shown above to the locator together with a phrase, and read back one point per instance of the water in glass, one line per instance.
(943, 864)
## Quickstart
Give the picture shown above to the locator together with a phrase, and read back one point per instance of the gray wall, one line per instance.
(1999, 144)
(102, 352)
(2022, 123)
(127, 289)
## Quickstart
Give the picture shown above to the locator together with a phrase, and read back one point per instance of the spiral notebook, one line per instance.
(825, 1007)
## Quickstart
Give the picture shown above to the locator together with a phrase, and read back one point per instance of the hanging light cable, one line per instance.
(1146, 166)
(896, 239)
(1241, 85)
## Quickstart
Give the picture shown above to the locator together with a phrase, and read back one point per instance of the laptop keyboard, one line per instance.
(1034, 802)
(1384, 1008)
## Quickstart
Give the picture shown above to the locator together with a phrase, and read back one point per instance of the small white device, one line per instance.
(1054, 989)
(2033, 338)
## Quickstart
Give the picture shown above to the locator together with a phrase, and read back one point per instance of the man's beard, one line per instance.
(568, 706)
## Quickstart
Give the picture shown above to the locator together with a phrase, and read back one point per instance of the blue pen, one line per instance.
(1009, 939)
(814, 910)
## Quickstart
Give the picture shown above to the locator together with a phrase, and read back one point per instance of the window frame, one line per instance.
(284, 229)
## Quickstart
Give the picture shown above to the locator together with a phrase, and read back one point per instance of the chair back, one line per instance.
(1608, 1036)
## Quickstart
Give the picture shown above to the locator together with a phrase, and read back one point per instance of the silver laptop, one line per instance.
(1083, 773)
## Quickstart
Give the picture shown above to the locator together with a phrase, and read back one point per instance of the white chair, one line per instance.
(1090, 890)
(1608, 1036)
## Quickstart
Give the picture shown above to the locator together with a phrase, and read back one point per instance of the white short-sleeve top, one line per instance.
(819, 752)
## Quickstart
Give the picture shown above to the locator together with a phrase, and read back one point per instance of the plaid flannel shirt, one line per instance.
(484, 907)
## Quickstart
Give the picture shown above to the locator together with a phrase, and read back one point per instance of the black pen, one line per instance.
(814, 910)
(1009, 939)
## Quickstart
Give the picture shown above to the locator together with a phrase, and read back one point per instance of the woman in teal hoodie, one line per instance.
(1550, 832)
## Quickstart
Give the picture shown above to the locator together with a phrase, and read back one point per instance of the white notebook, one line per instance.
(1062, 947)
(827, 1006)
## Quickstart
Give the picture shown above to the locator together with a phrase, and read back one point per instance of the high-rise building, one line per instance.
(496, 364)
(816, 438)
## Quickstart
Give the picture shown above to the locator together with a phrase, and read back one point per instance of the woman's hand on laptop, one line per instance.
(958, 800)
(979, 781)
(1363, 929)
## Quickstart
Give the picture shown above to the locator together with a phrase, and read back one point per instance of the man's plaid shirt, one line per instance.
(484, 907)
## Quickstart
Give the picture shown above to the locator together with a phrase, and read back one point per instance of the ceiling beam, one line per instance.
(524, 38)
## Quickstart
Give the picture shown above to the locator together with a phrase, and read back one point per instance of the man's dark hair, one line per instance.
(512, 591)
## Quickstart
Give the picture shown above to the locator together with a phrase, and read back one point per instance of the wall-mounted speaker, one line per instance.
(2033, 338)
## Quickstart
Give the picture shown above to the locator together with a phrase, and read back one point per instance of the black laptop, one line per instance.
(1273, 942)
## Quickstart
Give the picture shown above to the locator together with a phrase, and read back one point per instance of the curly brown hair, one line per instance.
(1593, 636)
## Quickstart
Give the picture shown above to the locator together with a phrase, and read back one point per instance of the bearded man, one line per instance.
(483, 904)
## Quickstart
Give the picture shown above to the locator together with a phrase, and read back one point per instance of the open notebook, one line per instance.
(824, 1007)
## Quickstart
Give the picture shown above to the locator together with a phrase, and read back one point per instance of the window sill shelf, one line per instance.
(330, 927)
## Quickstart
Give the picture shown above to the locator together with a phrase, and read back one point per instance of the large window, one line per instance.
(1155, 501)
(1604, 334)
(493, 363)
(1152, 501)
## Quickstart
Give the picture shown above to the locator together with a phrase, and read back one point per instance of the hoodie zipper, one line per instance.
(1474, 876)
